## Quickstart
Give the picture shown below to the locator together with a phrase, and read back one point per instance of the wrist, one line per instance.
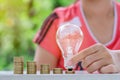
(116, 59)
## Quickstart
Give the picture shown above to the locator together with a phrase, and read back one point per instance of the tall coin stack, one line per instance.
(18, 65)
(31, 68)
(45, 69)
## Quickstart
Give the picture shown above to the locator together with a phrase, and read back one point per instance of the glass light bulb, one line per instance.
(69, 38)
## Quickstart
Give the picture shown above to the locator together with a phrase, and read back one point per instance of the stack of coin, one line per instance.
(18, 65)
(45, 69)
(57, 71)
(31, 68)
(70, 71)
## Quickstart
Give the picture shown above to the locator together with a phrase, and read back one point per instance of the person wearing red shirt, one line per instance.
(100, 49)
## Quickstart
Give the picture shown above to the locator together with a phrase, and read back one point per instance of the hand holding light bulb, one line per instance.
(69, 38)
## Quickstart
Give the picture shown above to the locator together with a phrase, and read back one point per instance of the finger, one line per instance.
(109, 69)
(83, 64)
(100, 54)
(84, 53)
(97, 65)
(91, 58)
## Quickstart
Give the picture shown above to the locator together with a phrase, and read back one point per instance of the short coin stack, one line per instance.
(18, 65)
(45, 69)
(31, 68)
(57, 71)
(70, 71)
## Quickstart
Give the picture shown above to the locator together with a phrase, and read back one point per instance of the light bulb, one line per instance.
(69, 38)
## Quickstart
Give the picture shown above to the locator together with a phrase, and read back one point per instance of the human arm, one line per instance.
(44, 57)
(47, 51)
(98, 58)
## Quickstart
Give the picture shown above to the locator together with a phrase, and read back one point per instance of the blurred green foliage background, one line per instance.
(19, 22)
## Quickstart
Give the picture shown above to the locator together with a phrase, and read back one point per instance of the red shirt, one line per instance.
(74, 14)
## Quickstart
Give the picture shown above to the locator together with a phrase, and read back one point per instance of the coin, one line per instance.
(31, 68)
(18, 68)
(18, 65)
(18, 59)
(70, 71)
(45, 69)
(57, 70)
